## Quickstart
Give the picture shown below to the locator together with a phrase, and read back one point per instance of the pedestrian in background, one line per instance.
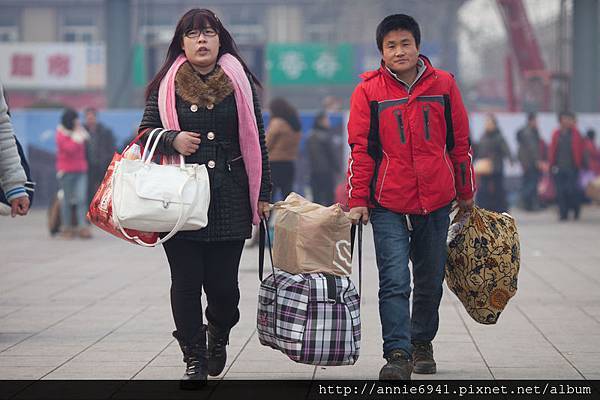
(283, 141)
(531, 156)
(216, 106)
(12, 174)
(591, 152)
(323, 160)
(491, 193)
(566, 160)
(99, 150)
(71, 171)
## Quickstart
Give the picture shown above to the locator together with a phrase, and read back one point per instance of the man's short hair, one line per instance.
(90, 109)
(531, 116)
(569, 114)
(398, 22)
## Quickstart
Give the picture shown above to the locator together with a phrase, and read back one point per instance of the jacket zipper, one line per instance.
(384, 174)
(451, 170)
(398, 114)
(426, 116)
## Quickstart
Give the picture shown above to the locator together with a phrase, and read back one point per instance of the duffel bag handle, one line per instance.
(353, 235)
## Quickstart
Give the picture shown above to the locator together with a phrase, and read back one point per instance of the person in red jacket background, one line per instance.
(591, 152)
(410, 158)
(566, 160)
(71, 171)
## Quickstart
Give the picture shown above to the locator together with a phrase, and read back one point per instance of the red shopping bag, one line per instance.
(100, 211)
(546, 188)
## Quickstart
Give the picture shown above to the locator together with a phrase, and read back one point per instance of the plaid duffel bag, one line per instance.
(312, 318)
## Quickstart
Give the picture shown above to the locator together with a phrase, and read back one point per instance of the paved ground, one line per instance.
(100, 309)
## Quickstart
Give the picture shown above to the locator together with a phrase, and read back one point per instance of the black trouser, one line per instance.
(212, 266)
(568, 195)
(322, 189)
(282, 176)
(491, 194)
(529, 194)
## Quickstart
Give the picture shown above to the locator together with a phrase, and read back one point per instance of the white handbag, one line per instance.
(160, 198)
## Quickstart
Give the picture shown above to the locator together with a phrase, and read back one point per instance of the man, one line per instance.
(12, 175)
(410, 158)
(566, 160)
(100, 149)
(531, 158)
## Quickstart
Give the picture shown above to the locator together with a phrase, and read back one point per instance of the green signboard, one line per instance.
(310, 64)
(139, 66)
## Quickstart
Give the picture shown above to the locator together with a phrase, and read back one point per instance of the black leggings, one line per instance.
(210, 266)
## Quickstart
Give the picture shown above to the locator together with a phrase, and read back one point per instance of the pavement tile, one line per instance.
(76, 299)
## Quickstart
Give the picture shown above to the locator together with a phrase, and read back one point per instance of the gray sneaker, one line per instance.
(398, 367)
(422, 356)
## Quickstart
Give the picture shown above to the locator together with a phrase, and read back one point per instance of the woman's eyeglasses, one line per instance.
(195, 33)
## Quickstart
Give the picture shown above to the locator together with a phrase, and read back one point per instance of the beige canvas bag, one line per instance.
(311, 238)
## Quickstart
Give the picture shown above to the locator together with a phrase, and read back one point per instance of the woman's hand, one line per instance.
(186, 143)
(264, 209)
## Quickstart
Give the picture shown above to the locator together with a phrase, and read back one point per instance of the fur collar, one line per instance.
(193, 89)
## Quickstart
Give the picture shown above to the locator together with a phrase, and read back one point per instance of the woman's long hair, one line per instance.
(68, 118)
(280, 108)
(197, 18)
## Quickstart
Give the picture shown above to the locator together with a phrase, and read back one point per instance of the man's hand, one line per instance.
(186, 143)
(358, 214)
(466, 205)
(19, 206)
(264, 209)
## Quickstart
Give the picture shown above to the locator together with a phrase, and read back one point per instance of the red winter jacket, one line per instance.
(70, 153)
(410, 151)
(576, 146)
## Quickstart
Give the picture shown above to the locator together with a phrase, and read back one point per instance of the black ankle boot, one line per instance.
(195, 357)
(218, 339)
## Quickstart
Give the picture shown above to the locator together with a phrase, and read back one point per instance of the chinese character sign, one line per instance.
(43, 65)
(310, 64)
(59, 65)
(21, 65)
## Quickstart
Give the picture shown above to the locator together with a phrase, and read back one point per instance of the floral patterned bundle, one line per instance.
(483, 262)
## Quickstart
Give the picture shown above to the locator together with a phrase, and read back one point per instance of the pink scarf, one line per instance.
(248, 129)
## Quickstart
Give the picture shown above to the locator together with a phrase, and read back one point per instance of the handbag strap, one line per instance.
(149, 142)
(148, 156)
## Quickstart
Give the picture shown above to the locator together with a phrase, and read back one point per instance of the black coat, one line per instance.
(229, 215)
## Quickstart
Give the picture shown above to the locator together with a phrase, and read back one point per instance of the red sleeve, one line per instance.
(462, 154)
(360, 164)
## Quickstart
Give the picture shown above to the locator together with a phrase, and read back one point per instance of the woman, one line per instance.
(323, 161)
(220, 125)
(283, 139)
(71, 168)
(491, 194)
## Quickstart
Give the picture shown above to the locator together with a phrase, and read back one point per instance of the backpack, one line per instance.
(313, 318)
